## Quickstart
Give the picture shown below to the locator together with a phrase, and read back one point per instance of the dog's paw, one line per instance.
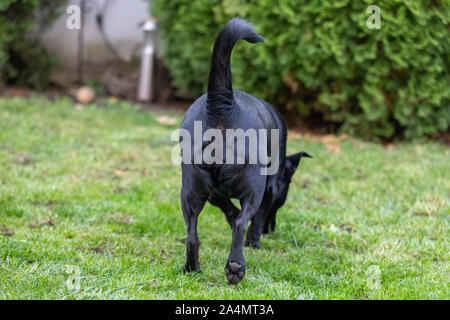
(253, 245)
(191, 268)
(234, 272)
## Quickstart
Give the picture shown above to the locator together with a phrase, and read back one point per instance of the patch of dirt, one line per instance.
(50, 222)
(48, 204)
(120, 218)
(347, 228)
(321, 200)
(428, 206)
(181, 239)
(387, 145)
(121, 190)
(24, 160)
(6, 233)
(306, 184)
(443, 137)
(100, 249)
(166, 254)
(311, 128)
(10, 92)
(97, 175)
(420, 214)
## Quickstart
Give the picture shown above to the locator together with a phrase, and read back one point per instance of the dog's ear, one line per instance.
(293, 161)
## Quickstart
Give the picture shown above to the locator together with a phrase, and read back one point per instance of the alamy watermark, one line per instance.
(374, 21)
(236, 146)
(74, 276)
(73, 22)
(373, 280)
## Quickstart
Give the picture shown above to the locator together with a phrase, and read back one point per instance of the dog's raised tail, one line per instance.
(220, 91)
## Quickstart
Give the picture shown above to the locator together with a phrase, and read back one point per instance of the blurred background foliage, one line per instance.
(22, 60)
(320, 59)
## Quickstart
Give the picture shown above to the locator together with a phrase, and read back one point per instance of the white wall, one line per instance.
(121, 25)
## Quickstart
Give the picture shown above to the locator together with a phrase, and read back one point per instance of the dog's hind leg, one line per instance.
(228, 208)
(260, 223)
(191, 205)
(235, 267)
(255, 230)
(270, 222)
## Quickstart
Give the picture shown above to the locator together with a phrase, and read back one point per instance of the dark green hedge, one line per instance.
(319, 56)
(22, 61)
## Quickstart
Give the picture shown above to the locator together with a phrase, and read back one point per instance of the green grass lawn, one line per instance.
(92, 195)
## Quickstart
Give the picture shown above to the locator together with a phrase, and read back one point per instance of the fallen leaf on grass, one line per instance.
(332, 147)
(293, 135)
(121, 171)
(112, 100)
(166, 120)
(330, 143)
(118, 172)
(330, 138)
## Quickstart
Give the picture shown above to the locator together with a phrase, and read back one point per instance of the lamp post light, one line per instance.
(145, 87)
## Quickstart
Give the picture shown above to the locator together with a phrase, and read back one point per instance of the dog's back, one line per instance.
(224, 108)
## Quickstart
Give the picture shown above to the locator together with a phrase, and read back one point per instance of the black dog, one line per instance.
(260, 195)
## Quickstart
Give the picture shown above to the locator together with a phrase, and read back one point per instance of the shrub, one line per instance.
(320, 57)
(22, 60)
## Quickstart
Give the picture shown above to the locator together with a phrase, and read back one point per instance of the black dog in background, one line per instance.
(260, 195)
